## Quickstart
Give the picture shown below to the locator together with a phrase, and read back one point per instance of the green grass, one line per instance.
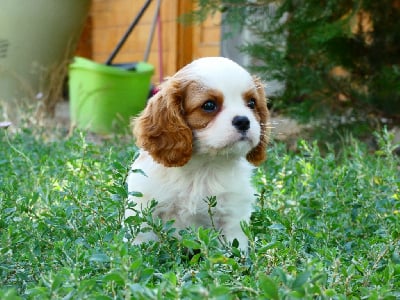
(325, 227)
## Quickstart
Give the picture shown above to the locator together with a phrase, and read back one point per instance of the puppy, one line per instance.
(200, 136)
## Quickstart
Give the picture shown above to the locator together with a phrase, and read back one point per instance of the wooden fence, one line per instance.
(174, 43)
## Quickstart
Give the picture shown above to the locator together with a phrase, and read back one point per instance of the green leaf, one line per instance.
(136, 288)
(146, 274)
(219, 291)
(139, 172)
(171, 278)
(268, 286)
(9, 210)
(191, 244)
(136, 264)
(195, 259)
(114, 277)
(282, 275)
(57, 282)
(277, 226)
(203, 235)
(300, 280)
(235, 243)
(9, 295)
(135, 194)
(99, 258)
(330, 293)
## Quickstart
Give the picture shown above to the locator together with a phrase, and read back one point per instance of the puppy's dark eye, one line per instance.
(209, 106)
(252, 103)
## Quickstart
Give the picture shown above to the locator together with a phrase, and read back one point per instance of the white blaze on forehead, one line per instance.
(219, 73)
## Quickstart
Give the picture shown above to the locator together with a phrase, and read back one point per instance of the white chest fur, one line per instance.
(181, 192)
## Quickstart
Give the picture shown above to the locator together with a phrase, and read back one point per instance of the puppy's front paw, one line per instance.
(237, 234)
(144, 237)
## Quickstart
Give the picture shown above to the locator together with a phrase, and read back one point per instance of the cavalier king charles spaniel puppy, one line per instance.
(200, 136)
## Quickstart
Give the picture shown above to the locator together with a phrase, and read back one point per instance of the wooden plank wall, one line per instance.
(109, 20)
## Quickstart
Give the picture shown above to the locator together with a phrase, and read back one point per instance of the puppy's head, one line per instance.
(211, 106)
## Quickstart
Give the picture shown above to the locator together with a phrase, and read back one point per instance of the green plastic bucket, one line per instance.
(104, 98)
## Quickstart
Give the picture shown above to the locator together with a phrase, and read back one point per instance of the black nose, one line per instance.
(241, 123)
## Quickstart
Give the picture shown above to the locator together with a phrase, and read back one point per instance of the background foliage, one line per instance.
(333, 55)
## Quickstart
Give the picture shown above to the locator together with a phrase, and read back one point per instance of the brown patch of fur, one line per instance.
(161, 129)
(196, 96)
(258, 154)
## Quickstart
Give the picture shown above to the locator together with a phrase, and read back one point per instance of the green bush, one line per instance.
(332, 55)
(324, 227)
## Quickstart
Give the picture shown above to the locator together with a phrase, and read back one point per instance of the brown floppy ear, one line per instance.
(161, 129)
(258, 154)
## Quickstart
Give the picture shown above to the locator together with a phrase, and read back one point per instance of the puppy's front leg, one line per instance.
(233, 230)
(144, 237)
